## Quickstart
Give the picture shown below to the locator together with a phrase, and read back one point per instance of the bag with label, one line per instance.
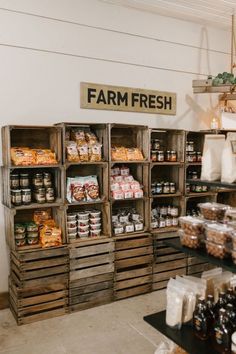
(211, 158)
(228, 166)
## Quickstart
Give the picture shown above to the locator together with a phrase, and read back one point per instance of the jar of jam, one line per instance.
(174, 211)
(168, 221)
(153, 188)
(193, 188)
(50, 197)
(160, 156)
(199, 156)
(194, 156)
(163, 210)
(194, 175)
(38, 180)
(159, 189)
(190, 146)
(14, 181)
(154, 156)
(156, 145)
(175, 221)
(40, 195)
(166, 188)
(173, 156)
(198, 189)
(162, 222)
(187, 188)
(16, 197)
(24, 180)
(204, 189)
(169, 210)
(168, 155)
(189, 156)
(47, 179)
(172, 187)
(26, 196)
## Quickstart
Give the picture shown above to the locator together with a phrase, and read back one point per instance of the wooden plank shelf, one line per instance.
(126, 162)
(200, 194)
(165, 230)
(127, 199)
(12, 167)
(38, 206)
(91, 202)
(165, 163)
(68, 164)
(201, 253)
(178, 194)
(212, 184)
(193, 164)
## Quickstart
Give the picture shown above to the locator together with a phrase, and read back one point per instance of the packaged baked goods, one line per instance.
(91, 188)
(216, 250)
(78, 136)
(134, 154)
(83, 152)
(23, 156)
(191, 225)
(213, 211)
(118, 153)
(41, 216)
(75, 191)
(50, 235)
(230, 215)
(218, 233)
(188, 240)
(90, 137)
(72, 152)
(45, 157)
(95, 152)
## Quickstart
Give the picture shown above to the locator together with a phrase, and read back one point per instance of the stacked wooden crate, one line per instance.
(38, 284)
(133, 265)
(91, 274)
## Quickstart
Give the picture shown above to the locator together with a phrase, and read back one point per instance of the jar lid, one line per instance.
(38, 175)
(24, 175)
(16, 190)
(166, 184)
(161, 152)
(173, 151)
(26, 190)
(172, 183)
(14, 175)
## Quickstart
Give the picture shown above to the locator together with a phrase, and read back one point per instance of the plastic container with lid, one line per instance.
(83, 228)
(83, 234)
(95, 226)
(95, 233)
(213, 211)
(83, 222)
(83, 215)
(71, 217)
(188, 240)
(216, 250)
(218, 233)
(191, 225)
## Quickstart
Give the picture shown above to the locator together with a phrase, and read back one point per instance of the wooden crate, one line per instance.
(141, 206)
(100, 170)
(101, 131)
(133, 265)
(168, 262)
(57, 181)
(129, 136)
(13, 216)
(191, 202)
(171, 139)
(45, 137)
(195, 266)
(105, 220)
(91, 274)
(38, 284)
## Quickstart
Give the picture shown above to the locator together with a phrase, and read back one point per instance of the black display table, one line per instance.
(185, 337)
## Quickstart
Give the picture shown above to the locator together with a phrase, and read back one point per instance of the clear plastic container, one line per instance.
(83, 234)
(230, 215)
(192, 225)
(213, 211)
(83, 228)
(216, 250)
(95, 226)
(218, 233)
(95, 233)
(84, 222)
(191, 241)
(83, 215)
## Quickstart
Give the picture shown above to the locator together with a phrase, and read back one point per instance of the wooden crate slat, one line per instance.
(161, 267)
(90, 296)
(35, 274)
(54, 279)
(175, 256)
(138, 290)
(139, 242)
(132, 282)
(41, 253)
(91, 250)
(160, 285)
(125, 263)
(45, 264)
(133, 252)
(167, 275)
(91, 261)
(89, 304)
(91, 280)
(134, 273)
(22, 293)
(92, 271)
(91, 288)
(42, 307)
(42, 298)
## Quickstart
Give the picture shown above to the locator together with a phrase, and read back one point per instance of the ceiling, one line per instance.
(215, 12)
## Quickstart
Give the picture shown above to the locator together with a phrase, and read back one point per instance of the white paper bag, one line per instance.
(211, 158)
(228, 165)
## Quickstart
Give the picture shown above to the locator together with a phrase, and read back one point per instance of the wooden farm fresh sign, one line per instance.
(118, 98)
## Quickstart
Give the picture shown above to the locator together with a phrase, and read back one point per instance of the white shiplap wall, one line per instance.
(48, 47)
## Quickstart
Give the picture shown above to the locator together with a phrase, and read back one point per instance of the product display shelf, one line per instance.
(91, 274)
(104, 208)
(35, 137)
(206, 86)
(133, 265)
(129, 136)
(168, 261)
(38, 284)
(216, 184)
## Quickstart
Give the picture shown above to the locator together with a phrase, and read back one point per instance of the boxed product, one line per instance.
(191, 225)
(213, 211)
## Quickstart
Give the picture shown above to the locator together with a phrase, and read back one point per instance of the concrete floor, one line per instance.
(116, 328)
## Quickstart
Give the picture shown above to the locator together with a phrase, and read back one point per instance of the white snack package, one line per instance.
(211, 158)
(228, 165)
(174, 307)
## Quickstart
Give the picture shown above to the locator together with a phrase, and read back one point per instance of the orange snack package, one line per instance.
(45, 157)
(23, 156)
(50, 235)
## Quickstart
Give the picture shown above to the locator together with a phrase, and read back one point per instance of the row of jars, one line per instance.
(164, 221)
(161, 156)
(163, 188)
(195, 188)
(24, 189)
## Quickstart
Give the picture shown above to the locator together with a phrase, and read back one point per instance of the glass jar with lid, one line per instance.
(38, 180)
(173, 156)
(199, 156)
(153, 188)
(166, 188)
(168, 155)
(159, 188)
(162, 222)
(160, 156)
(190, 146)
(14, 181)
(168, 221)
(172, 187)
(24, 180)
(163, 210)
(154, 155)
(156, 144)
(194, 175)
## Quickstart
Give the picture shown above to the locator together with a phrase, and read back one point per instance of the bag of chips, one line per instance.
(83, 152)
(50, 235)
(72, 152)
(78, 136)
(118, 153)
(90, 137)
(91, 188)
(41, 216)
(95, 152)
(23, 156)
(45, 157)
(77, 189)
